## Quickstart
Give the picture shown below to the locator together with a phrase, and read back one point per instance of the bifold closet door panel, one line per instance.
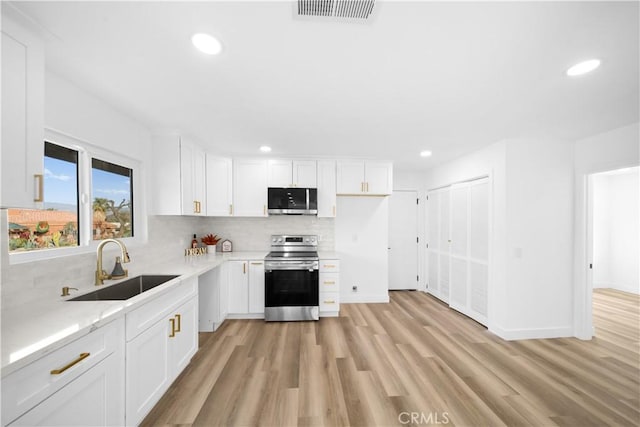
(459, 247)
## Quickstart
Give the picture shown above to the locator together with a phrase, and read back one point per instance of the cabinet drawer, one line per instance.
(146, 316)
(35, 382)
(329, 265)
(329, 301)
(329, 282)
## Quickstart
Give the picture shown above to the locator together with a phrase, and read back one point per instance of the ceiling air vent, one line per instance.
(338, 8)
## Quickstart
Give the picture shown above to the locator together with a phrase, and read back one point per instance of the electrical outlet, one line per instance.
(354, 288)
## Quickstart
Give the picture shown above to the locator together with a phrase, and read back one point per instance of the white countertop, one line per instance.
(45, 326)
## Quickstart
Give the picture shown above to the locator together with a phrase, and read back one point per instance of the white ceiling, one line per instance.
(445, 76)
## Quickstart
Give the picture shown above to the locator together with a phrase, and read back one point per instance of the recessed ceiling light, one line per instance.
(425, 153)
(265, 149)
(206, 43)
(583, 67)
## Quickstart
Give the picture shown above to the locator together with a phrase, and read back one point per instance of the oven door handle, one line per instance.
(291, 265)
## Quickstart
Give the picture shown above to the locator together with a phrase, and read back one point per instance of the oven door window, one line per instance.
(291, 288)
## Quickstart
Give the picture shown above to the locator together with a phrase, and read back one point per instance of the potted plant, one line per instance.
(210, 240)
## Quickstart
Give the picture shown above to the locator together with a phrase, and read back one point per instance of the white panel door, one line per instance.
(249, 187)
(326, 178)
(403, 243)
(304, 174)
(219, 186)
(256, 287)
(184, 343)
(432, 244)
(479, 249)
(280, 173)
(238, 287)
(459, 247)
(444, 245)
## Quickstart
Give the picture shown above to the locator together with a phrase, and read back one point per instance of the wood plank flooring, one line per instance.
(410, 362)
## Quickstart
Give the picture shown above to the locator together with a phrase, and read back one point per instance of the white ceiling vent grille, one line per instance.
(360, 9)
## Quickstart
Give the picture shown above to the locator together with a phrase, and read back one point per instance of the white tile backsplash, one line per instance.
(168, 236)
(254, 234)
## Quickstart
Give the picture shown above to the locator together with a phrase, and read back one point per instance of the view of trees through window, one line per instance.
(112, 200)
(57, 224)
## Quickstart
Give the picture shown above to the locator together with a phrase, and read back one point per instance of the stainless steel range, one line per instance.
(291, 279)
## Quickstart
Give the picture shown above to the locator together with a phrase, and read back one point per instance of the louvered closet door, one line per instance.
(433, 228)
(479, 249)
(459, 294)
(444, 246)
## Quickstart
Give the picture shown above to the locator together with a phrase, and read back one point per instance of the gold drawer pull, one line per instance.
(257, 263)
(70, 364)
(330, 302)
(179, 320)
(230, 209)
(329, 266)
(173, 327)
(329, 283)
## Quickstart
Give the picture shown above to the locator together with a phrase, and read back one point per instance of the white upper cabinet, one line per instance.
(193, 178)
(326, 188)
(219, 186)
(368, 178)
(249, 187)
(22, 149)
(292, 173)
(178, 176)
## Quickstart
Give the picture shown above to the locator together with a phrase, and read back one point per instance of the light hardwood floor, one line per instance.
(381, 364)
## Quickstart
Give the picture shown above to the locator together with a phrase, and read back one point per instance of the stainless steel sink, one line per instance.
(127, 289)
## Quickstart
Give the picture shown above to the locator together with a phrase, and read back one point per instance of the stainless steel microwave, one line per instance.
(293, 201)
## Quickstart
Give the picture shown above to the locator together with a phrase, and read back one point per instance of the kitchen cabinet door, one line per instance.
(219, 172)
(22, 140)
(149, 372)
(280, 173)
(350, 177)
(213, 299)
(95, 398)
(238, 273)
(184, 342)
(326, 189)
(249, 188)
(378, 178)
(192, 173)
(256, 287)
(304, 174)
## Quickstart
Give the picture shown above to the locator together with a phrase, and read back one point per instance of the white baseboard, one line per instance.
(535, 333)
(363, 298)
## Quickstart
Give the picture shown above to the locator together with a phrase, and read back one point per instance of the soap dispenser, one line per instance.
(118, 272)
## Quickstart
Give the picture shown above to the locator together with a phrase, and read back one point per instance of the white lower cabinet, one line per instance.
(329, 279)
(158, 354)
(80, 384)
(246, 288)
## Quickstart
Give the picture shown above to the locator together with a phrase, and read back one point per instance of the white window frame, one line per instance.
(87, 151)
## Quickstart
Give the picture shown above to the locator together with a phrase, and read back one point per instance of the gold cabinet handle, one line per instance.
(79, 359)
(40, 180)
(334, 210)
(195, 206)
(329, 266)
(264, 210)
(173, 327)
(362, 187)
(256, 263)
(329, 302)
(329, 283)
(179, 321)
(230, 209)
(244, 268)
(367, 187)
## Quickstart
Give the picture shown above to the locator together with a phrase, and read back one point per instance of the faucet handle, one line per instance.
(126, 258)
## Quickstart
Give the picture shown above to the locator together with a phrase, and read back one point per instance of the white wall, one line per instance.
(406, 180)
(616, 228)
(361, 239)
(615, 149)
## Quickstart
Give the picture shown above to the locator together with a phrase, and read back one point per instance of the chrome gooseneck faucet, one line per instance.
(101, 275)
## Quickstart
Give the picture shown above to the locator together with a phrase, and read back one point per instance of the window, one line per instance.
(56, 225)
(112, 195)
(88, 196)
